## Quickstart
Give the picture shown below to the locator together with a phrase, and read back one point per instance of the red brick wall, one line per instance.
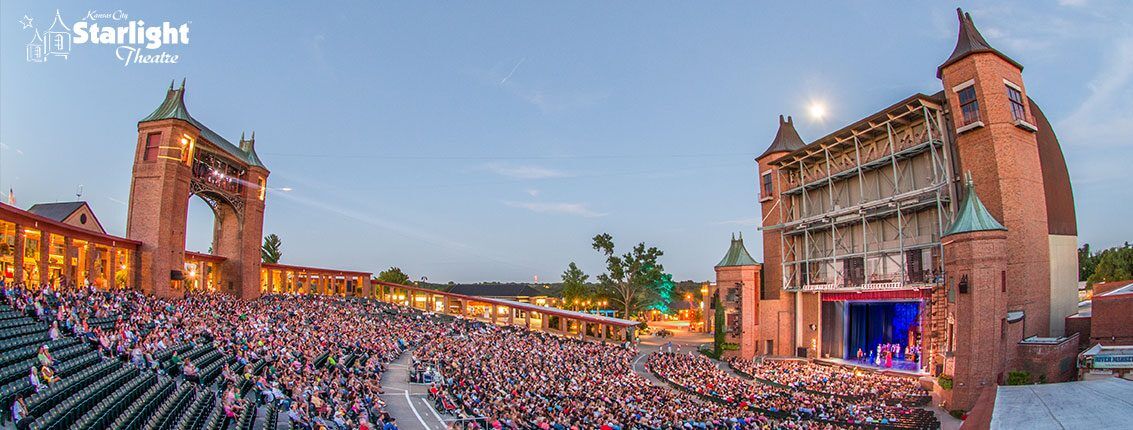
(769, 213)
(979, 354)
(1081, 327)
(812, 316)
(749, 303)
(1112, 321)
(1049, 363)
(1005, 165)
(159, 204)
(776, 307)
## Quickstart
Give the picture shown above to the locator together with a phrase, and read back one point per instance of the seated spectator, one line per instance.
(48, 375)
(20, 413)
(190, 372)
(44, 356)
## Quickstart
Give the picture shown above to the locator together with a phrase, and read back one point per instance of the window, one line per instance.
(969, 106)
(766, 182)
(914, 267)
(853, 270)
(153, 143)
(1003, 281)
(1016, 97)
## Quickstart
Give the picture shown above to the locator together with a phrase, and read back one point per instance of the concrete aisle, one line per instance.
(406, 402)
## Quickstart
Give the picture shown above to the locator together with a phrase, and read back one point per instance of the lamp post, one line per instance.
(688, 298)
(703, 299)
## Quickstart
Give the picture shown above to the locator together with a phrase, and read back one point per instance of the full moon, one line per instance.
(817, 110)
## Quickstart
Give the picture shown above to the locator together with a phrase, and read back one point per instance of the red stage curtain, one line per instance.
(878, 295)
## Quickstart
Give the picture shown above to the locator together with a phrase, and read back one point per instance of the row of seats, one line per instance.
(24, 330)
(134, 415)
(271, 417)
(212, 369)
(42, 401)
(169, 411)
(8, 313)
(194, 417)
(64, 349)
(65, 414)
(23, 387)
(114, 404)
(16, 322)
(35, 339)
(246, 418)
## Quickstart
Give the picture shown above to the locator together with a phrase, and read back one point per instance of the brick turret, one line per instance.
(995, 141)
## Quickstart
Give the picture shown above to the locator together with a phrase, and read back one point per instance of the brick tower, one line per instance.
(777, 325)
(177, 157)
(975, 252)
(737, 276)
(996, 142)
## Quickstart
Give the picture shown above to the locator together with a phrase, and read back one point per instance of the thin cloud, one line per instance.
(512, 72)
(543, 95)
(1104, 118)
(533, 192)
(6, 146)
(576, 209)
(525, 171)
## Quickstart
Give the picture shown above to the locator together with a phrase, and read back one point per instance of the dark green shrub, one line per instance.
(945, 381)
(1020, 377)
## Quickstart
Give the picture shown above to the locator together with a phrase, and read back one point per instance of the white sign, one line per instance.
(134, 40)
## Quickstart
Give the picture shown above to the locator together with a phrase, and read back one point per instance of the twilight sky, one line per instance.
(474, 141)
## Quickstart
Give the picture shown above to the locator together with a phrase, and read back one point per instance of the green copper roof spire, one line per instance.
(972, 216)
(737, 255)
(173, 107)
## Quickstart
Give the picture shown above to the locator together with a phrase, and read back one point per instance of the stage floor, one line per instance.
(902, 367)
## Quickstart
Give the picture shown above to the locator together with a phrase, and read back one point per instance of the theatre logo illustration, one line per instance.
(134, 41)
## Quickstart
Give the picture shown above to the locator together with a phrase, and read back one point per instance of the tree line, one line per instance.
(1113, 264)
(633, 281)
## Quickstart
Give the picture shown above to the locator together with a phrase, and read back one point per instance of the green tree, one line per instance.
(664, 287)
(1087, 262)
(574, 284)
(394, 275)
(718, 327)
(1114, 264)
(272, 250)
(630, 279)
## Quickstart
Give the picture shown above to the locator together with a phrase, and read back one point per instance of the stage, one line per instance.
(881, 335)
(907, 368)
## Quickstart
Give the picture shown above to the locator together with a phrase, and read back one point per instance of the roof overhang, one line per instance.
(547, 310)
(898, 114)
(28, 219)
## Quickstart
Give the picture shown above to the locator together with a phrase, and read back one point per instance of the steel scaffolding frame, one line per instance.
(824, 233)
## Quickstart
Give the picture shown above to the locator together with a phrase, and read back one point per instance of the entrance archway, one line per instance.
(177, 158)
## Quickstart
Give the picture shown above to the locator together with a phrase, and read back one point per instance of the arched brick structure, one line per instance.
(177, 157)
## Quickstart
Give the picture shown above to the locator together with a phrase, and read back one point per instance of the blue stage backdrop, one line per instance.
(873, 323)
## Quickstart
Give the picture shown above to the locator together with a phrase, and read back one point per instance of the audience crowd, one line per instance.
(836, 380)
(300, 340)
(321, 359)
(704, 377)
(511, 378)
